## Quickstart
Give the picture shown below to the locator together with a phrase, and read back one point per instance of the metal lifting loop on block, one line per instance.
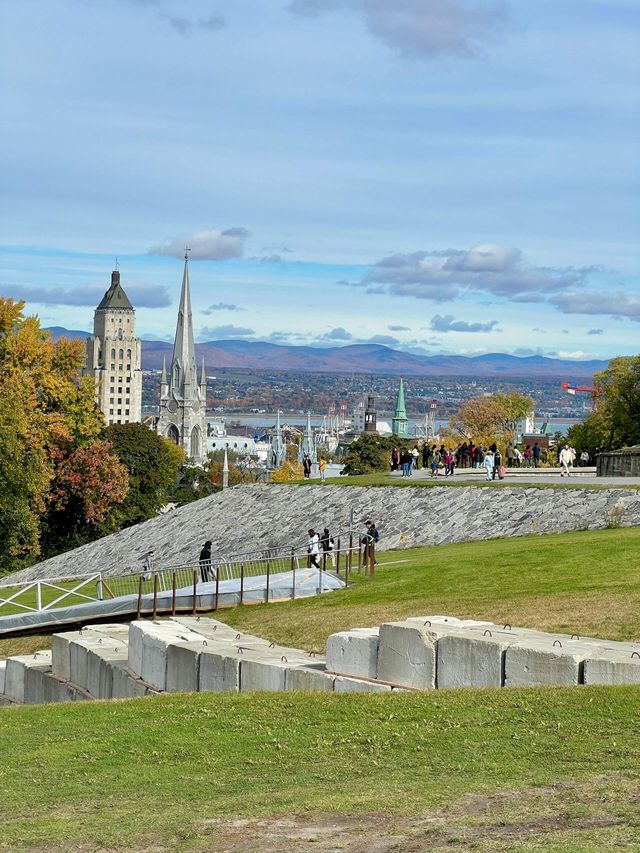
(240, 650)
(558, 643)
(487, 632)
(506, 627)
(272, 645)
(215, 627)
(237, 636)
(635, 654)
(575, 637)
(198, 619)
(204, 643)
(427, 622)
(283, 659)
(312, 654)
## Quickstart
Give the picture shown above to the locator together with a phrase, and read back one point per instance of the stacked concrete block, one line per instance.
(465, 660)
(310, 676)
(148, 642)
(23, 677)
(354, 653)
(407, 655)
(613, 666)
(3, 670)
(102, 660)
(535, 662)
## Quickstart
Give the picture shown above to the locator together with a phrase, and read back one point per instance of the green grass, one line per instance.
(385, 479)
(585, 582)
(526, 770)
(171, 773)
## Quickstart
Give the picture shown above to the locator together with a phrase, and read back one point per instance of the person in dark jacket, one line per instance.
(205, 561)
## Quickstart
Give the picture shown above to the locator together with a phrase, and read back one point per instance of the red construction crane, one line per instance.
(573, 389)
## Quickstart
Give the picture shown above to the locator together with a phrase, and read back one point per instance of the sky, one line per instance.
(442, 176)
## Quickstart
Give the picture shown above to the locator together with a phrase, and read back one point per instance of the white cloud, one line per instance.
(205, 245)
(337, 334)
(425, 29)
(618, 304)
(140, 295)
(448, 323)
(225, 332)
(221, 306)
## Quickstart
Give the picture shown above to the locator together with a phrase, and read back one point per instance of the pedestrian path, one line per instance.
(536, 476)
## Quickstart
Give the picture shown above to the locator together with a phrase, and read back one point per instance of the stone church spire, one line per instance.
(182, 398)
(400, 422)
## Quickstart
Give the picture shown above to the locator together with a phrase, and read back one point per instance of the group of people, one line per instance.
(325, 545)
(529, 457)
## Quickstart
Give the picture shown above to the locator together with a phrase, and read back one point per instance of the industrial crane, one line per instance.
(574, 389)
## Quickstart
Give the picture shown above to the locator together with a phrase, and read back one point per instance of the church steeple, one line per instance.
(400, 422)
(183, 398)
(183, 380)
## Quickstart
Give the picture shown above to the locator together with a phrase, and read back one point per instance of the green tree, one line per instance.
(152, 463)
(369, 453)
(616, 422)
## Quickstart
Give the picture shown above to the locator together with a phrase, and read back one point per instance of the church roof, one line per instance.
(115, 297)
(401, 410)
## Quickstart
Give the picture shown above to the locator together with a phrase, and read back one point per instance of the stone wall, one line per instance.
(619, 463)
(251, 517)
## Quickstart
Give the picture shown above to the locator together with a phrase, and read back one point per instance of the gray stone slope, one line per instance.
(254, 517)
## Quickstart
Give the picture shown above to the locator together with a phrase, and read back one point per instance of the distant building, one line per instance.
(370, 416)
(114, 357)
(183, 399)
(400, 422)
(278, 452)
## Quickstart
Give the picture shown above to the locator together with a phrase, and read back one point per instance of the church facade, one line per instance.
(183, 397)
(114, 357)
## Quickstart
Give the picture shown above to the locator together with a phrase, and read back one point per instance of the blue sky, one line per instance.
(439, 175)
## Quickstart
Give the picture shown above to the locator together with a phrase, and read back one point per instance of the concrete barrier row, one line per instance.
(185, 654)
(430, 652)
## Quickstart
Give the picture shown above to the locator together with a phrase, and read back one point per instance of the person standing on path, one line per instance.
(566, 460)
(313, 548)
(488, 464)
(205, 561)
(147, 565)
(322, 467)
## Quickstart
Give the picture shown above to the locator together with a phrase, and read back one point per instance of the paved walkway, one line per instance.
(579, 477)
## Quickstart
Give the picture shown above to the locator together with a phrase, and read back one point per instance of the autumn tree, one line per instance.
(488, 419)
(47, 412)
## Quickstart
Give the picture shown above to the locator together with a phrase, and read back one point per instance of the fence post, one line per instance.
(140, 587)
(194, 609)
(359, 556)
(242, 584)
(38, 596)
(268, 579)
(350, 554)
(173, 594)
(217, 589)
(155, 594)
(338, 558)
(293, 572)
(99, 592)
(372, 559)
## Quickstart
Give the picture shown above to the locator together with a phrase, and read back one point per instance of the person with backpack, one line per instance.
(328, 546)
(370, 539)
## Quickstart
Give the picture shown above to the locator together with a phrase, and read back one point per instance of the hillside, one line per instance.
(360, 358)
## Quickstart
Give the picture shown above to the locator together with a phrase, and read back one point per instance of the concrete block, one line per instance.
(354, 652)
(15, 675)
(61, 654)
(79, 648)
(34, 676)
(612, 666)
(3, 670)
(343, 684)
(219, 671)
(100, 670)
(125, 685)
(148, 642)
(211, 628)
(450, 621)
(58, 690)
(183, 666)
(267, 670)
(407, 655)
(135, 646)
(467, 660)
(536, 662)
(309, 677)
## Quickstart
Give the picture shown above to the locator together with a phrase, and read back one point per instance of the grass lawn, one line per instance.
(511, 770)
(526, 770)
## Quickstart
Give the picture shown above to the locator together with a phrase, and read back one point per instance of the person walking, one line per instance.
(535, 453)
(449, 461)
(313, 548)
(497, 463)
(395, 459)
(415, 455)
(435, 462)
(488, 464)
(147, 565)
(369, 540)
(322, 467)
(328, 546)
(205, 561)
(566, 460)
(306, 466)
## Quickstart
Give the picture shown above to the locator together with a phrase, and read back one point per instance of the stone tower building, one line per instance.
(370, 415)
(183, 400)
(114, 357)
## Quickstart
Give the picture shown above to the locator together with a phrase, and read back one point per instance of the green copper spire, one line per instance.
(399, 423)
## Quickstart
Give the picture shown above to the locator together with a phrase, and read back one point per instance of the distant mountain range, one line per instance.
(360, 358)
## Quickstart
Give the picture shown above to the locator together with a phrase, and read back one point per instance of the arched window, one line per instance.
(173, 434)
(195, 441)
(113, 355)
(120, 355)
(128, 355)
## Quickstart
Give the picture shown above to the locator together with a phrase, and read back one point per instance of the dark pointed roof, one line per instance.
(115, 297)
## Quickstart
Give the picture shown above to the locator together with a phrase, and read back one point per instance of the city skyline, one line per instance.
(436, 175)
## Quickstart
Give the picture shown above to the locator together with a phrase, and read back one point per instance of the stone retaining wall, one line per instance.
(251, 517)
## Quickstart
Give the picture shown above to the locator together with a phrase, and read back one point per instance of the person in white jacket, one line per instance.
(488, 464)
(565, 459)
